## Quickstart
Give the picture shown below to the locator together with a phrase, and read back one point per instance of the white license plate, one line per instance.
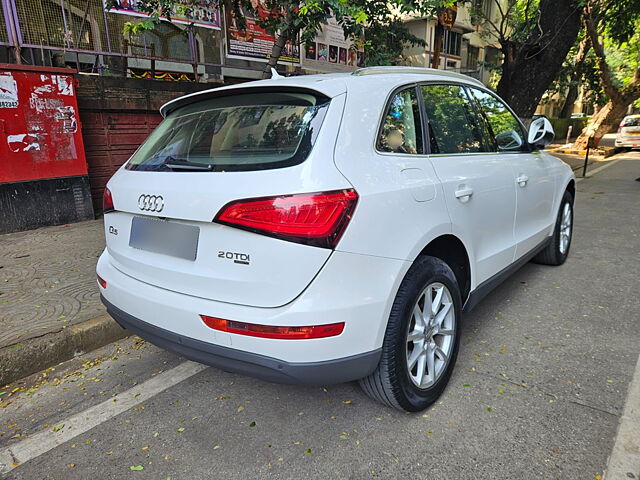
(165, 237)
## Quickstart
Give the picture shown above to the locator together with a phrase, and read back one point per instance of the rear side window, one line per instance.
(631, 122)
(453, 125)
(504, 126)
(401, 131)
(235, 133)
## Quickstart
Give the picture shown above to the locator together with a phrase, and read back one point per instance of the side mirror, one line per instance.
(541, 133)
(509, 140)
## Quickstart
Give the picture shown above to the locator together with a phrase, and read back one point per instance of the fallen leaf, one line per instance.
(216, 447)
(136, 468)
(308, 450)
(240, 408)
(347, 402)
(58, 428)
(146, 447)
(252, 424)
(489, 409)
(181, 429)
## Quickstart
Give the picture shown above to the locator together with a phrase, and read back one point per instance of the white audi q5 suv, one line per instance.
(327, 228)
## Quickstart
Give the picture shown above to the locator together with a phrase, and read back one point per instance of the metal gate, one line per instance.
(109, 139)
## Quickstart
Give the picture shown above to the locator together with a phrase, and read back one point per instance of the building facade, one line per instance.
(467, 47)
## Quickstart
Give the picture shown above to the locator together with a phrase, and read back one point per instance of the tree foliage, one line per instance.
(614, 30)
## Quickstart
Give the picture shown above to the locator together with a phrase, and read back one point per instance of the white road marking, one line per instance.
(625, 456)
(599, 169)
(47, 440)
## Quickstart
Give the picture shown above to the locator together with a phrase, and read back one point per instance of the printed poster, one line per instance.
(254, 43)
(331, 51)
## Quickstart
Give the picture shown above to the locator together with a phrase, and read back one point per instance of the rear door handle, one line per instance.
(522, 180)
(464, 194)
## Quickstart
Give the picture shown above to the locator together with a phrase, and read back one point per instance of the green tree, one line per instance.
(535, 37)
(613, 27)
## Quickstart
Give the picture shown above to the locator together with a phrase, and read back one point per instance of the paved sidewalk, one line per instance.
(50, 308)
(47, 280)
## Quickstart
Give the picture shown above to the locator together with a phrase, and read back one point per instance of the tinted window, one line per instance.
(631, 122)
(401, 131)
(503, 125)
(453, 126)
(241, 132)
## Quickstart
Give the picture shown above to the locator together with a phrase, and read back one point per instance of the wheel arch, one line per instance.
(571, 188)
(452, 251)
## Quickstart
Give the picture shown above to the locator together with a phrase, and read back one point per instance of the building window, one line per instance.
(473, 53)
(452, 43)
(483, 6)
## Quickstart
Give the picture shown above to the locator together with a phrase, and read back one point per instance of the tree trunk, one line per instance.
(570, 100)
(619, 99)
(576, 75)
(276, 51)
(437, 45)
(603, 121)
(529, 68)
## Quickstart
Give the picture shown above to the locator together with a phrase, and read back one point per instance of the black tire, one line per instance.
(391, 383)
(552, 255)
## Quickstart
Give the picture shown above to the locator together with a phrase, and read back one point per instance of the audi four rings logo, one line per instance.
(151, 203)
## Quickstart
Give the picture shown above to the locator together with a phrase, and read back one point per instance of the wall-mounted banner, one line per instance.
(202, 13)
(254, 43)
(331, 51)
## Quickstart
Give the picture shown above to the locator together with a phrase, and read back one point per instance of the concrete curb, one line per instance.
(36, 354)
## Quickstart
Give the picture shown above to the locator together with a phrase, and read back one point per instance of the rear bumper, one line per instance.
(247, 363)
(628, 142)
(355, 289)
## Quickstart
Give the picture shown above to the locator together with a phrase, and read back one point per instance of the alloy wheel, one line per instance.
(565, 228)
(430, 335)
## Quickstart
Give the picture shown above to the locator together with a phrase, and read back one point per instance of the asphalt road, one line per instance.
(538, 390)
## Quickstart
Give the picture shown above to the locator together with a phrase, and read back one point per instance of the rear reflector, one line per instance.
(107, 201)
(270, 331)
(102, 282)
(317, 219)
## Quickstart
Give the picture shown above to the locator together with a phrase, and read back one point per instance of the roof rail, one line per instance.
(414, 70)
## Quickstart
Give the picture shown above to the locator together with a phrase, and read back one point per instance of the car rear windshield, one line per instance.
(235, 133)
(632, 122)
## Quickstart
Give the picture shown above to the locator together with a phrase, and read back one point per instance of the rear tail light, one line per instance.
(102, 282)
(317, 219)
(107, 201)
(276, 332)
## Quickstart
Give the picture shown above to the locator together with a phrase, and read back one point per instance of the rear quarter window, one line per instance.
(631, 122)
(235, 133)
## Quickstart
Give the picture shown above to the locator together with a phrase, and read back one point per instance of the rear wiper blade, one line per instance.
(178, 164)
